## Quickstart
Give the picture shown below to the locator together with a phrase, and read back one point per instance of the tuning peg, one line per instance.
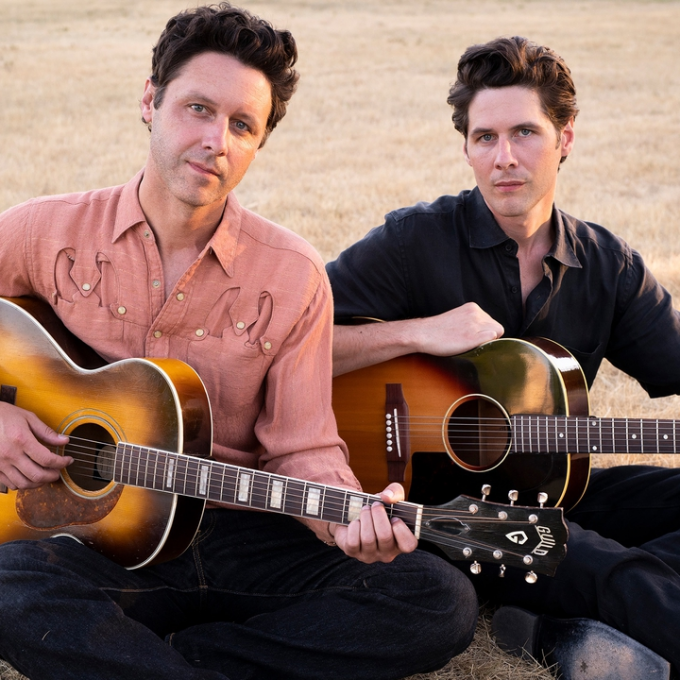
(530, 577)
(542, 498)
(513, 496)
(476, 568)
(501, 571)
(486, 490)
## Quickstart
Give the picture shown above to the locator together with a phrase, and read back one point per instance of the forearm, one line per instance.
(453, 332)
(356, 347)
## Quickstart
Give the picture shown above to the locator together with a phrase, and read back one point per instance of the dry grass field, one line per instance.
(368, 131)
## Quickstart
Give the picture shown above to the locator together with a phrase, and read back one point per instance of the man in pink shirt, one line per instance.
(170, 265)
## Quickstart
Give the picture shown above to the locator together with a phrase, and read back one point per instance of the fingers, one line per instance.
(25, 462)
(374, 537)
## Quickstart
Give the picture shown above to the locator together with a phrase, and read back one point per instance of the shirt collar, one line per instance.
(223, 242)
(128, 212)
(486, 233)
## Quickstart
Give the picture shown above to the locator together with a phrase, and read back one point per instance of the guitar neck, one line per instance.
(583, 434)
(184, 475)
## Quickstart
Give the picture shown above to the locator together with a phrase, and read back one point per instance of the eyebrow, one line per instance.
(527, 125)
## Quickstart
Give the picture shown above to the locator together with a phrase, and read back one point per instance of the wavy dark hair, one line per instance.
(504, 62)
(228, 30)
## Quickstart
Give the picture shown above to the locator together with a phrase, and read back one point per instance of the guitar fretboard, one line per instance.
(583, 434)
(223, 483)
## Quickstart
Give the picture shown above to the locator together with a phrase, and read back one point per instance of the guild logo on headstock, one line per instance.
(546, 543)
(518, 537)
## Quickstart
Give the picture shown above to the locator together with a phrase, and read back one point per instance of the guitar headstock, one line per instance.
(466, 528)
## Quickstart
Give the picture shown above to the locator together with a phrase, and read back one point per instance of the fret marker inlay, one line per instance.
(276, 500)
(354, 508)
(203, 484)
(171, 470)
(244, 487)
(313, 496)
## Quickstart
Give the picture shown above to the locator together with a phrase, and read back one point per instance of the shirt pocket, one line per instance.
(86, 295)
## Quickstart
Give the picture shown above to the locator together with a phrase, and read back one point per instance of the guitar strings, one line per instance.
(92, 452)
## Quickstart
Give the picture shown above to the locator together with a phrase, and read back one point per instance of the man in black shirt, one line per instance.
(502, 260)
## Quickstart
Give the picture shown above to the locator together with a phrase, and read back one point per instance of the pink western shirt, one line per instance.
(252, 315)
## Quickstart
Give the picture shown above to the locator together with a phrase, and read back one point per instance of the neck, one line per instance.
(181, 230)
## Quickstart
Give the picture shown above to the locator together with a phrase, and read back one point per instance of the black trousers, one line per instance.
(623, 560)
(256, 597)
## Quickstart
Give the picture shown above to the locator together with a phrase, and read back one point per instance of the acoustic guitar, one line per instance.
(511, 414)
(140, 435)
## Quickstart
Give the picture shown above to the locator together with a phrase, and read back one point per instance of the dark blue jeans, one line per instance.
(256, 596)
(623, 560)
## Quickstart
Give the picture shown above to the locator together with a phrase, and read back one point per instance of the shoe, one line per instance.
(583, 649)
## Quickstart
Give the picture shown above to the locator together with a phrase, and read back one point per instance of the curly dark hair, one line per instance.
(228, 30)
(504, 62)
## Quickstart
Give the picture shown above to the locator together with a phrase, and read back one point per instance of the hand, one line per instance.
(25, 462)
(373, 537)
(454, 332)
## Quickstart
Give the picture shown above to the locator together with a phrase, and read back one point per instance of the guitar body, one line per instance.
(477, 392)
(158, 403)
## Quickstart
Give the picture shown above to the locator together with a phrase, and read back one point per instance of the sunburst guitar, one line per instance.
(512, 415)
(140, 434)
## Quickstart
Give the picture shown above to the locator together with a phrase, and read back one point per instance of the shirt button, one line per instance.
(180, 296)
(156, 283)
(240, 325)
(147, 234)
(200, 332)
(86, 286)
(514, 289)
(508, 247)
(157, 334)
(267, 345)
(122, 310)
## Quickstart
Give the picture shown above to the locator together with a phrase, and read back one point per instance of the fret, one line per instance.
(293, 500)
(634, 434)
(228, 490)
(573, 442)
(650, 436)
(666, 436)
(593, 446)
(181, 471)
(561, 444)
(607, 440)
(259, 490)
(149, 469)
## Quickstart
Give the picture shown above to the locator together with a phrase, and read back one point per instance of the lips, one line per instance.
(204, 169)
(508, 185)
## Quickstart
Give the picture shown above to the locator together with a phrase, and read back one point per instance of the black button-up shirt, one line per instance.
(596, 297)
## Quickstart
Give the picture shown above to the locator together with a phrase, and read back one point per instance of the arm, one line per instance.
(452, 332)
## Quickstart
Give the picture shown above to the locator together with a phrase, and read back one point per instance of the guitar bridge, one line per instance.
(397, 442)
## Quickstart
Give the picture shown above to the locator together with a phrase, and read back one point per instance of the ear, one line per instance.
(146, 103)
(465, 152)
(567, 138)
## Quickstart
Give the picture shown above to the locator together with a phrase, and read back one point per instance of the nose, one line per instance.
(504, 155)
(216, 137)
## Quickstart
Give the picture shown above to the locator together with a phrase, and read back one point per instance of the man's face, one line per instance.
(514, 151)
(207, 130)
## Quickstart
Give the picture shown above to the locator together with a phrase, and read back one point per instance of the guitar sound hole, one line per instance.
(478, 432)
(92, 448)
